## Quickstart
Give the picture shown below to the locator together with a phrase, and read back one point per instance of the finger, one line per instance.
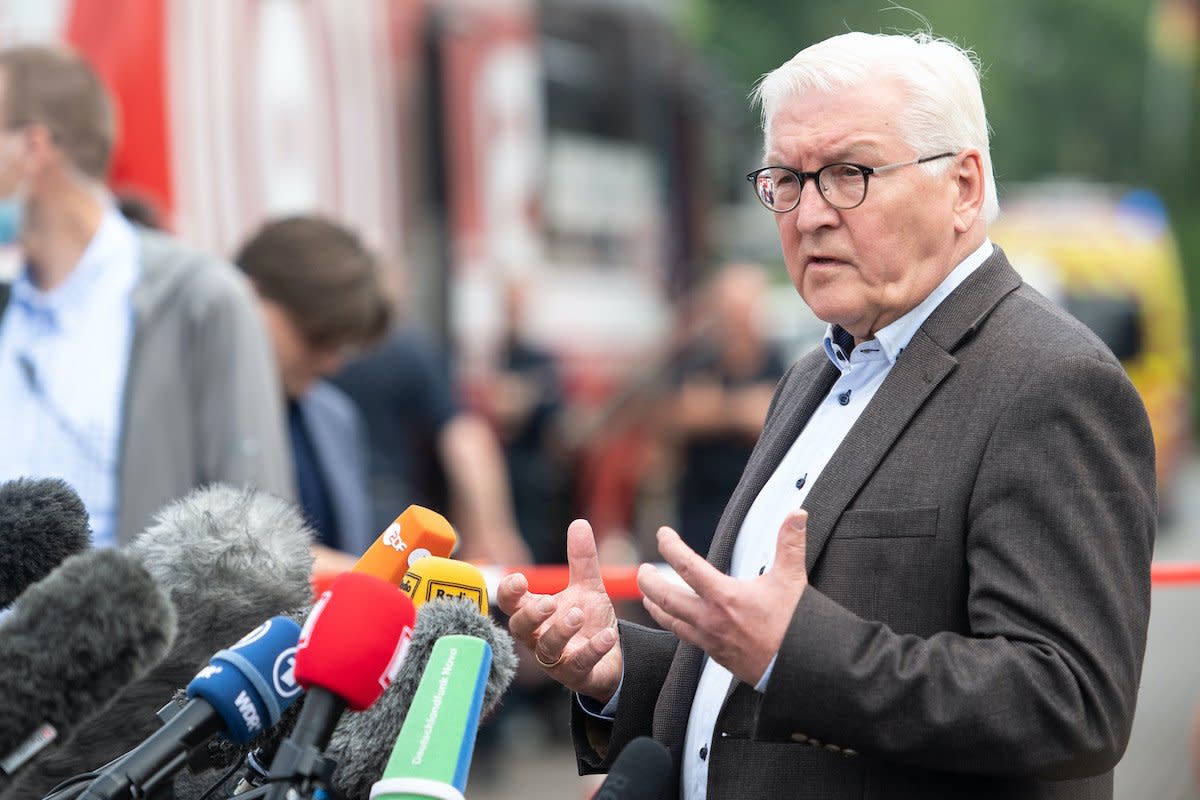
(553, 640)
(790, 546)
(583, 562)
(512, 593)
(535, 611)
(682, 630)
(688, 565)
(679, 601)
(584, 660)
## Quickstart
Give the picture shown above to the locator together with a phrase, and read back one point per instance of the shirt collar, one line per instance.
(107, 266)
(894, 337)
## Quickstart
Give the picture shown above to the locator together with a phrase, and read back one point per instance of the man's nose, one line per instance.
(814, 211)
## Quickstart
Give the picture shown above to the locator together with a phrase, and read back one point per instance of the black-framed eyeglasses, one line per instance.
(843, 185)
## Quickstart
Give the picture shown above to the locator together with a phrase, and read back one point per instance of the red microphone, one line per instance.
(350, 648)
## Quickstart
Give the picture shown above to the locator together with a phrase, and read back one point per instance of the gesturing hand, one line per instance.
(740, 624)
(573, 634)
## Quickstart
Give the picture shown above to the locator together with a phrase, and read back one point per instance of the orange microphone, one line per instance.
(418, 532)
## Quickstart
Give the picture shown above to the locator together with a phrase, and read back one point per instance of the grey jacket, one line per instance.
(202, 400)
(979, 562)
(203, 403)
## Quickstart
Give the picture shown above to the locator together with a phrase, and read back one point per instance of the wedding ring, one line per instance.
(549, 664)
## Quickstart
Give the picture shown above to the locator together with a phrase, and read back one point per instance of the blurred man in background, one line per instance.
(322, 299)
(130, 366)
(933, 579)
(724, 386)
(524, 400)
(426, 448)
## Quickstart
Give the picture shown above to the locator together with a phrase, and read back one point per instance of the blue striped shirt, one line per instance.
(64, 355)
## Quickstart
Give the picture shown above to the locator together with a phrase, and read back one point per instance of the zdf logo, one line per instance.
(392, 538)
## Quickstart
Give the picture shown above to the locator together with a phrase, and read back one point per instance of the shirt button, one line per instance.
(703, 753)
(844, 398)
(804, 477)
(762, 569)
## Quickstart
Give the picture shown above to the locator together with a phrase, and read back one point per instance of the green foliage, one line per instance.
(1063, 80)
(1072, 87)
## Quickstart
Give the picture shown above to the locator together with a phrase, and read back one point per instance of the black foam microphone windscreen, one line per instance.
(229, 559)
(42, 521)
(73, 641)
(362, 742)
(639, 772)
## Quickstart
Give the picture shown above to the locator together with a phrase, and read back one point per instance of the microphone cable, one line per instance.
(220, 781)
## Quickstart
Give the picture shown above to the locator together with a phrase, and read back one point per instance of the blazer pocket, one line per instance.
(887, 523)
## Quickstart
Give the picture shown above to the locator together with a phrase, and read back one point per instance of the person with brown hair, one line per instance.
(131, 366)
(322, 298)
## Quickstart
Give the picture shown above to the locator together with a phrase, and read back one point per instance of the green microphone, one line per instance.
(432, 755)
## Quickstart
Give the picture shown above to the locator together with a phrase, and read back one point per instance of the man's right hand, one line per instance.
(573, 634)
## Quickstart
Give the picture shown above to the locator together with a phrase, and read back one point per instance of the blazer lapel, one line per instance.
(921, 367)
(924, 364)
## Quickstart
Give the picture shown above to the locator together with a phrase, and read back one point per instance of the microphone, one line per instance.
(418, 532)
(72, 641)
(351, 648)
(228, 559)
(639, 772)
(432, 754)
(228, 556)
(356, 743)
(242, 692)
(434, 578)
(359, 741)
(42, 521)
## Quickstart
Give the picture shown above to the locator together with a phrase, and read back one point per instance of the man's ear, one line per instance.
(968, 174)
(40, 147)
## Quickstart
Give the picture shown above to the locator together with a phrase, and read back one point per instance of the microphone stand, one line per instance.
(300, 764)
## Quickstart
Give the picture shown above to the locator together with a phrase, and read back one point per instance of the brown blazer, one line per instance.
(979, 564)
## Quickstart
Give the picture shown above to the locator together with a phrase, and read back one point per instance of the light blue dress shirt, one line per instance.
(64, 357)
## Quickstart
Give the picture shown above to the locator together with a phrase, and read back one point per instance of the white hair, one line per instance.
(944, 111)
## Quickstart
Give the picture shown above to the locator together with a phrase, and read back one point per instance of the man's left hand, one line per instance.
(740, 624)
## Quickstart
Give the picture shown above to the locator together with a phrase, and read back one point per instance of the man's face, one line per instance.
(300, 363)
(12, 147)
(864, 267)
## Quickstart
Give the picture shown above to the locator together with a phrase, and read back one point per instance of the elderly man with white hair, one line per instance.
(933, 578)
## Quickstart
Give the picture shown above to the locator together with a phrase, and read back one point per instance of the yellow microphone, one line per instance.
(434, 577)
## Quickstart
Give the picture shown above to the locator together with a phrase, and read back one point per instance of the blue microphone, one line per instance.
(241, 693)
(252, 683)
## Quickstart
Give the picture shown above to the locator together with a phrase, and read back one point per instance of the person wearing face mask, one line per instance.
(131, 366)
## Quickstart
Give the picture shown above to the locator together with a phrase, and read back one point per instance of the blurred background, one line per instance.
(556, 186)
